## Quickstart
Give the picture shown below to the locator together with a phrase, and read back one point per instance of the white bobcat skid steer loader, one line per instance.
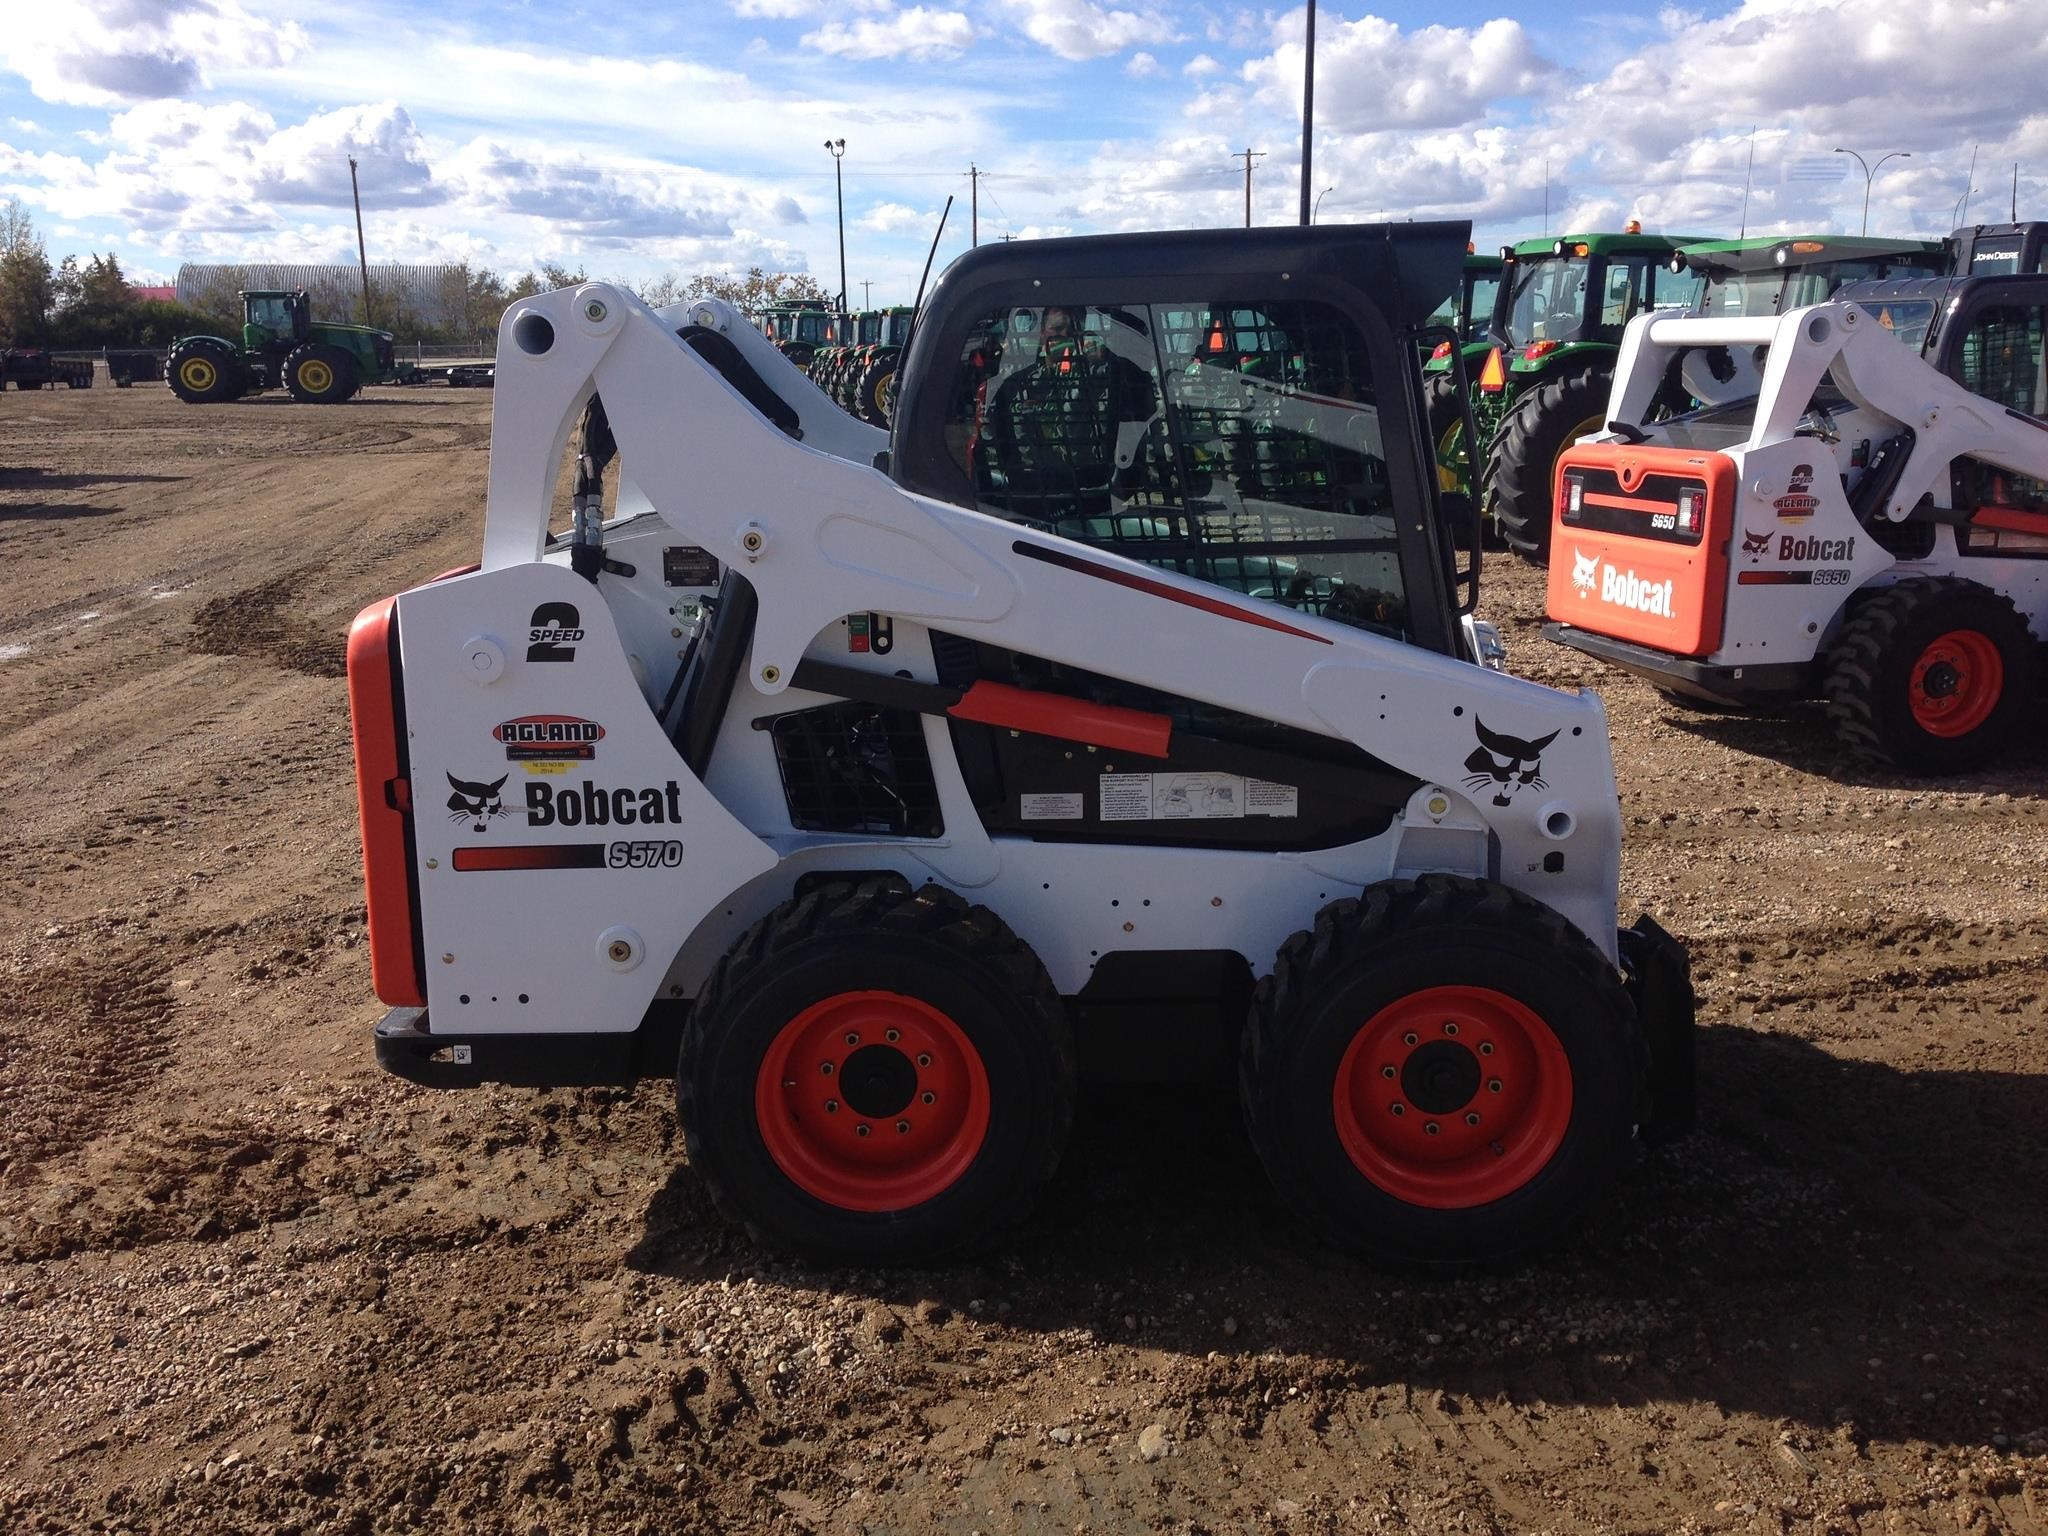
(1871, 528)
(1134, 677)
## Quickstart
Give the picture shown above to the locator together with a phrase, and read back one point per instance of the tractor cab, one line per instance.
(1987, 250)
(1468, 308)
(1585, 289)
(1247, 413)
(275, 320)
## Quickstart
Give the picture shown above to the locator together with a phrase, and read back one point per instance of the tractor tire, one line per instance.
(876, 392)
(203, 373)
(1521, 468)
(874, 1075)
(319, 375)
(1930, 676)
(1446, 412)
(1443, 1071)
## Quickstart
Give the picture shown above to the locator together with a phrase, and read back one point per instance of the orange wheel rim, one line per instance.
(872, 1101)
(1956, 683)
(1453, 1097)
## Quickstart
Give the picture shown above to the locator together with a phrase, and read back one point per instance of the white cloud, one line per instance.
(918, 33)
(1142, 66)
(1200, 67)
(1370, 74)
(100, 53)
(1080, 29)
(889, 218)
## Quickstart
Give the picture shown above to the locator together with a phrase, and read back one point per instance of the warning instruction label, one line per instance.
(1193, 797)
(1050, 807)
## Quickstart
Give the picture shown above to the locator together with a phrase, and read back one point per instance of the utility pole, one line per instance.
(865, 285)
(362, 253)
(1247, 155)
(974, 203)
(1546, 194)
(2015, 191)
(838, 149)
(1308, 113)
(1747, 173)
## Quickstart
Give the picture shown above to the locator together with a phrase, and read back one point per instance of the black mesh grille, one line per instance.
(855, 768)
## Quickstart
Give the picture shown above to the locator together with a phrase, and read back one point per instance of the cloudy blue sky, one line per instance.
(636, 138)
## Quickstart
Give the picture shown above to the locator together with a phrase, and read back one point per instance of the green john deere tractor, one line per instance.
(1543, 376)
(798, 327)
(281, 345)
(864, 381)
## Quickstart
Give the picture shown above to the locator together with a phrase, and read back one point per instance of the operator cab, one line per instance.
(1247, 413)
(1991, 250)
(270, 317)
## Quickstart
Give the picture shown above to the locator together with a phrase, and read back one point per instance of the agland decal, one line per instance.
(592, 805)
(549, 739)
(1798, 501)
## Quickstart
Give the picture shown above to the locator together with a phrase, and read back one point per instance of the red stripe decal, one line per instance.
(1160, 589)
(532, 856)
(1774, 579)
(1069, 719)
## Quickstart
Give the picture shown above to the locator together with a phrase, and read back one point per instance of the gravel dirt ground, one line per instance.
(249, 1283)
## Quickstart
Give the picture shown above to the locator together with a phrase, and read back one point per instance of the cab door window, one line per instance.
(1235, 441)
(2002, 358)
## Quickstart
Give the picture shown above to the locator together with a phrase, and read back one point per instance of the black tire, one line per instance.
(926, 952)
(1446, 413)
(1352, 979)
(319, 375)
(203, 372)
(1980, 663)
(1522, 463)
(876, 392)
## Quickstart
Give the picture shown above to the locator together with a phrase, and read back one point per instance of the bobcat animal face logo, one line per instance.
(1754, 544)
(1585, 571)
(476, 803)
(1505, 763)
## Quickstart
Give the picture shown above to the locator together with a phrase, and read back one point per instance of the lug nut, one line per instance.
(852, 1038)
(902, 1127)
(825, 1067)
(861, 1130)
(1430, 1127)
(1493, 1086)
(1473, 1118)
(1386, 1072)
(924, 1060)
(1410, 1038)
(1450, 1028)
(928, 1097)
(892, 1036)
(831, 1106)
(1398, 1108)
(1486, 1047)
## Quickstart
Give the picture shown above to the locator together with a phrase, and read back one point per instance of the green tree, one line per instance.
(27, 287)
(756, 290)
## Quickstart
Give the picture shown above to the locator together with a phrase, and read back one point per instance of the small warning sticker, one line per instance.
(1193, 797)
(1262, 797)
(1126, 796)
(1050, 807)
(1197, 796)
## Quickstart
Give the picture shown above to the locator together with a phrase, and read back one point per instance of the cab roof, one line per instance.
(1761, 254)
(1601, 244)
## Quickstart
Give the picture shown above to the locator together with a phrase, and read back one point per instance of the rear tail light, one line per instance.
(1692, 508)
(1537, 349)
(1441, 351)
(1572, 499)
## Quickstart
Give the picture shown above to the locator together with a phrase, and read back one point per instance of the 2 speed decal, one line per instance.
(553, 631)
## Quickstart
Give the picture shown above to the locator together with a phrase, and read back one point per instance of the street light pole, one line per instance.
(1870, 175)
(838, 149)
(1308, 114)
(1318, 208)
